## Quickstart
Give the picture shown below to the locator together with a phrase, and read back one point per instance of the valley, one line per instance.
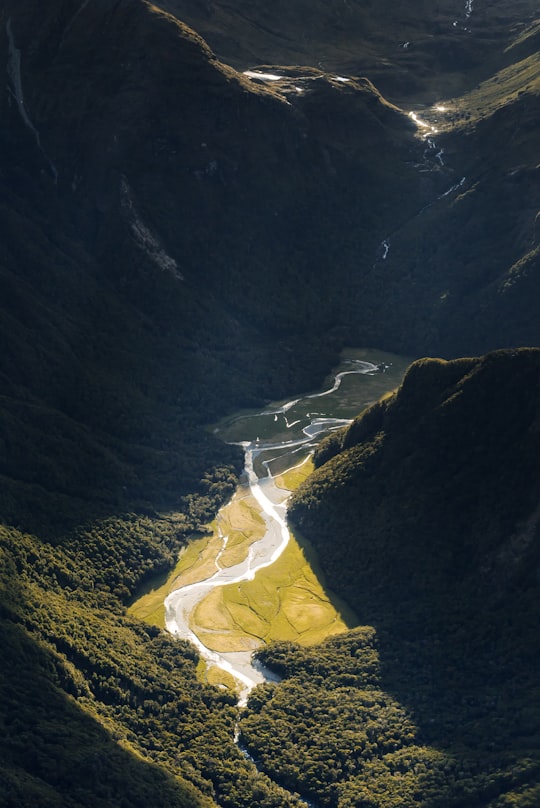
(267, 601)
(202, 205)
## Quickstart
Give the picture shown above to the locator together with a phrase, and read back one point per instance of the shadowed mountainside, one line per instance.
(472, 258)
(157, 208)
(456, 447)
(143, 294)
(425, 513)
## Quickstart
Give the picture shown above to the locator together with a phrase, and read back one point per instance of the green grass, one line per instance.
(503, 88)
(239, 520)
(150, 606)
(286, 601)
(242, 523)
(291, 479)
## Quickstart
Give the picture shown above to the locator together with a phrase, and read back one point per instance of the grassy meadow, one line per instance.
(287, 601)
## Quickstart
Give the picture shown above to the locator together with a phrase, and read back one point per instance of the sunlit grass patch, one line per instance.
(292, 478)
(227, 623)
(150, 606)
(502, 88)
(240, 520)
(231, 642)
(242, 523)
(196, 562)
(283, 602)
(220, 678)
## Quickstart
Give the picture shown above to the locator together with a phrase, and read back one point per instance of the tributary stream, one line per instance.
(279, 438)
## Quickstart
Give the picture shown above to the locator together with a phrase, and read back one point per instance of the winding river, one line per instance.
(276, 440)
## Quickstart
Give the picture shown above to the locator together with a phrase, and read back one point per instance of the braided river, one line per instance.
(276, 440)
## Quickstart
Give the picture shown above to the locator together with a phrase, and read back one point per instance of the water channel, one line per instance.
(275, 440)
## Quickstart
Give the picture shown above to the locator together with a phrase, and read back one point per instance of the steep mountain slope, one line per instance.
(140, 178)
(425, 512)
(471, 259)
(178, 240)
(143, 293)
(462, 273)
(457, 448)
(408, 49)
(149, 191)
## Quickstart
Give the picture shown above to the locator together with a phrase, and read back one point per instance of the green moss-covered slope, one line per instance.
(425, 514)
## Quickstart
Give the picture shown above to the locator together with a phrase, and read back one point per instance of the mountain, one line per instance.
(144, 286)
(412, 49)
(180, 239)
(471, 258)
(461, 275)
(144, 293)
(425, 515)
(437, 476)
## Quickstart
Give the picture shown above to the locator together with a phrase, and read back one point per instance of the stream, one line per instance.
(275, 440)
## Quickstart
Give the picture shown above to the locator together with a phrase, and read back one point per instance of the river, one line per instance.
(275, 440)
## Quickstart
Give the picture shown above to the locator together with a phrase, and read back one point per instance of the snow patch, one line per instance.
(253, 74)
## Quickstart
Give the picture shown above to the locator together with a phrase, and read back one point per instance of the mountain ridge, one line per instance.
(410, 50)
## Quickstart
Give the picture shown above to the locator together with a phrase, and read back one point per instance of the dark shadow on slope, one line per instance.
(54, 754)
(432, 534)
